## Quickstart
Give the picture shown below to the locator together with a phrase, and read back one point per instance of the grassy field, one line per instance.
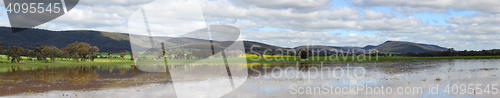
(105, 54)
(126, 61)
(60, 61)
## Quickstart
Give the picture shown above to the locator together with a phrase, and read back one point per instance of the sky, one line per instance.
(459, 24)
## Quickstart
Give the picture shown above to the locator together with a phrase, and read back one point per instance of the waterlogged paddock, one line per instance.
(420, 78)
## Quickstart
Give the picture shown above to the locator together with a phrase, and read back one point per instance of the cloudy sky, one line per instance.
(461, 24)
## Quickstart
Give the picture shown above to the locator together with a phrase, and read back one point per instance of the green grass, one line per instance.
(105, 54)
(59, 61)
(126, 61)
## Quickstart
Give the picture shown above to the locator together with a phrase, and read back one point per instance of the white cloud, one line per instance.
(293, 38)
(322, 20)
(224, 9)
(399, 26)
(296, 5)
(97, 17)
(475, 29)
(113, 2)
(459, 41)
(479, 19)
(481, 23)
(438, 6)
(166, 17)
(87, 18)
(370, 14)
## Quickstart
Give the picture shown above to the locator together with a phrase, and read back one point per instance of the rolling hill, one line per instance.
(339, 48)
(106, 41)
(405, 47)
(388, 46)
(117, 42)
(32, 38)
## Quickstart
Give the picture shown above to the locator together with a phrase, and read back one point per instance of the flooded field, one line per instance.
(424, 78)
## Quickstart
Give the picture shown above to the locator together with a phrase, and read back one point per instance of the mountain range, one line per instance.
(388, 46)
(117, 42)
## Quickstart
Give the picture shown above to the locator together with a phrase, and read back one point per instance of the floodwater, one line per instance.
(422, 78)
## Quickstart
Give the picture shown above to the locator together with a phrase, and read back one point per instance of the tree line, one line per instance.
(186, 54)
(452, 52)
(77, 51)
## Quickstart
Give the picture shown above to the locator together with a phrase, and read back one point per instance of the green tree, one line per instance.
(52, 52)
(195, 54)
(15, 53)
(123, 55)
(38, 52)
(31, 54)
(169, 54)
(82, 52)
(65, 54)
(178, 54)
(72, 50)
(81, 49)
(93, 52)
(75, 57)
(200, 54)
(1, 48)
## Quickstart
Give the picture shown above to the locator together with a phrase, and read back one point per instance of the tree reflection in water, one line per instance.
(46, 74)
(122, 70)
(133, 69)
(18, 80)
(110, 69)
(82, 75)
(14, 76)
(1, 81)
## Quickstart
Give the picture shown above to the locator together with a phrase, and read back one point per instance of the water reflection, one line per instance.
(46, 74)
(82, 75)
(17, 80)
(264, 79)
(14, 76)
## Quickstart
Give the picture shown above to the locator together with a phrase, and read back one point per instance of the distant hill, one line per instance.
(405, 47)
(368, 47)
(106, 41)
(117, 42)
(32, 38)
(338, 48)
(389, 46)
(249, 44)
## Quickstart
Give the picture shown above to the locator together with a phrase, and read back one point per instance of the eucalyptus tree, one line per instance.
(15, 53)
(52, 52)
